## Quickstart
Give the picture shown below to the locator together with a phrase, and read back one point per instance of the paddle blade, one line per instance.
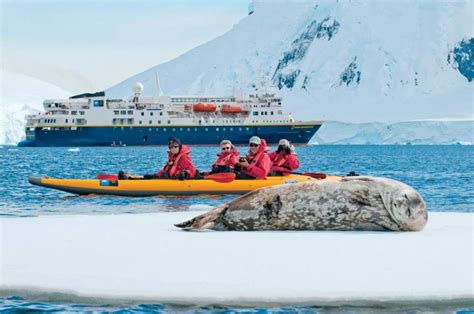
(315, 175)
(105, 176)
(224, 177)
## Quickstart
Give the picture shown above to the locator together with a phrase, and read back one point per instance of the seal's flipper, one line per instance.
(204, 221)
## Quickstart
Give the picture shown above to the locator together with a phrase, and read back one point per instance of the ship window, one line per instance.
(130, 121)
(116, 112)
(280, 112)
(161, 113)
(123, 112)
(98, 103)
(149, 122)
(271, 113)
(151, 113)
(255, 113)
(169, 122)
(143, 113)
(130, 112)
(74, 113)
(159, 121)
(140, 122)
(66, 120)
(81, 113)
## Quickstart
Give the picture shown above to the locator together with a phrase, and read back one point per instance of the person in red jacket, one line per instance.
(179, 163)
(284, 159)
(256, 164)
(226, 159)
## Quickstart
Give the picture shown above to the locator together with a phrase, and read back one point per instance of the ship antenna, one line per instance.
(158, 86)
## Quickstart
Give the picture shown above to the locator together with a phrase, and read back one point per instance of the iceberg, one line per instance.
(144, 258)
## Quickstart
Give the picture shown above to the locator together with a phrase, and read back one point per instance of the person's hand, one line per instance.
(183, 175)
(244, 164)
(170, 163)
(288, 150)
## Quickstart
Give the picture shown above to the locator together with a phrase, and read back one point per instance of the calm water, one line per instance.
(443, 175)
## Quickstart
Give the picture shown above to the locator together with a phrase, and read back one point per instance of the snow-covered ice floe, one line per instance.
(74, 150)
(143, 258)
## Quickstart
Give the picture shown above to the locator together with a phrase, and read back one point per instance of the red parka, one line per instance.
(284, 162)
(260, 163)
(181, 161)
(227, 158)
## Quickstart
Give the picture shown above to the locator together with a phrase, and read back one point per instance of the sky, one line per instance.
(93, 44)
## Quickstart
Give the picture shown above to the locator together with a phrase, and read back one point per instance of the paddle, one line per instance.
(223, 177)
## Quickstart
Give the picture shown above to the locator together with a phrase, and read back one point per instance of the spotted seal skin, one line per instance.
(352, 203)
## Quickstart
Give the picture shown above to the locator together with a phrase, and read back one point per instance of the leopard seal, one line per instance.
(351, 203)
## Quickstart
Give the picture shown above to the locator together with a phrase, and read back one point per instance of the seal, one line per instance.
(352, 203)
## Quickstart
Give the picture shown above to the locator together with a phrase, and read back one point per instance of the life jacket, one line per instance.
(181, 161)
(227, 158)
(259, 164)
(284, 162)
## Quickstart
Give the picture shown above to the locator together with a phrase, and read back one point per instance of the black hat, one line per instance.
(174, 140)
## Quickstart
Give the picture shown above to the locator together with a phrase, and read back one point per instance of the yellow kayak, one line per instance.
(164, 186)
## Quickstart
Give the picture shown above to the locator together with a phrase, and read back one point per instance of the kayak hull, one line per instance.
(163, 186)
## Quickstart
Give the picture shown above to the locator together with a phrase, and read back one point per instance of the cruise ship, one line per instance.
(94, 120)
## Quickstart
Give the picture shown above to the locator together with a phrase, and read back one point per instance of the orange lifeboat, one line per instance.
(231, 109)
(200, 107)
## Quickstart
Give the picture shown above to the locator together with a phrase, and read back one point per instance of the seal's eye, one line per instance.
(409, 212)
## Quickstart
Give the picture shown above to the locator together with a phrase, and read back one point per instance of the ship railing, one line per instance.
(58, 112)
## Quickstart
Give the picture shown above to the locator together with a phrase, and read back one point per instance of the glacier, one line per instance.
(429, 132)
(21, 95)
(347, 61)
(344, 61)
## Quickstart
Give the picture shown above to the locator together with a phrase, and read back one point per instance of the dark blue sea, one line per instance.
(444, 175)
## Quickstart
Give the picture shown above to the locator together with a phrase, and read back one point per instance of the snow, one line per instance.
(21, 95)
(429, 132)
(144, 258)
(401, 50)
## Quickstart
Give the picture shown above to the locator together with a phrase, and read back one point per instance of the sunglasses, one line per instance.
(173, 146)
(254, 145)
(225, 148)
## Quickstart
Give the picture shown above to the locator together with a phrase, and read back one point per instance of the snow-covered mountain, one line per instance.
(337, 60)
(21, 95)
(411, 132)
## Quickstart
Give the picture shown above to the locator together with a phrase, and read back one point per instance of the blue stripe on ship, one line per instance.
(158, 135)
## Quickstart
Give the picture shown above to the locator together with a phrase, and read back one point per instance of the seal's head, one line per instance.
(405, 205)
